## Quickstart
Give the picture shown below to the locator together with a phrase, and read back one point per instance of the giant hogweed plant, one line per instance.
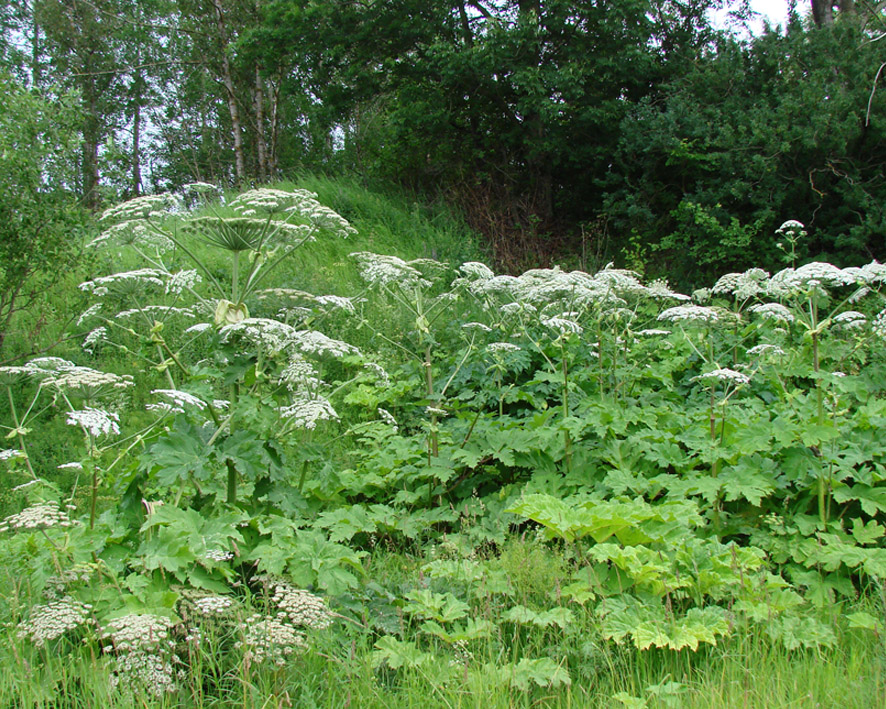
(701, 462)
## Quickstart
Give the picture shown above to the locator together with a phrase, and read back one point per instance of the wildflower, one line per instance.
(70, 466)
(40, 516)
(199, 328)
(87, 382)
(478, 326)
(791, 226)
(11, 454)
(659, 288)
(563, 325)
(690, 313)
(299, 374)
(213, 605)
(336, 301)
(125, 282)
(382, 270)
(137, 631)
(772, 311)
(724, 374)
(652, 332)
(145, 207)
(850, 319)
(435, 411)
(301, 607)
(177, 401)
(879, 324)
(218, 555)
(314, 342)
(380, 374)
(272, 334)
(51, 621)
(388, 418)
(766, 350)
(155, 673)
(476, 271)
(97, 422)
(181, 281)
(503, 347)
(94, 338)
(742, 285)
(90, 312)
(269, 639)
(151, 310)
(306, 410)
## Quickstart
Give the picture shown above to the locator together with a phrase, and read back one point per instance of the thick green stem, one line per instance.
(20, 433)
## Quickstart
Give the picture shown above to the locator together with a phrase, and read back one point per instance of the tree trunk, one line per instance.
(823, 12)
(261, 146)
(236, 128)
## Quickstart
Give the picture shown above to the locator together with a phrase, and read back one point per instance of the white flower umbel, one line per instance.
(336, 301)
(690, 313)
(175, 401)
(126, 282)
(11, 454)
(388, 418)
(879, 324)
(269, 639)
(503, 347)
(382, 270)
(381, 376)
(306, 410)
(742, 285)
(87, 382)
(316, 343)
(766, 350)
(299, 374)
(850, 319)
(564, 326)
(302, 607)
(136, 234)
(653, 332)
(138, 631)
(660, 290)
(147, 207)
(476, 326)
(155, 311)
(213, 605)
(476, 271)
(97, 422)
(94, 338)
(182, 280)
(40, 516)
(53, 620)
(772, 311)
(89, 313)
(724, 374)
(792, 282)
(271, 334)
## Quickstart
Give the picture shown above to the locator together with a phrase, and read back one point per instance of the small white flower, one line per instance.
(11, 454)
(563, 325)
(503, 347)
(767, 350)
(478, 326)
(176, 401)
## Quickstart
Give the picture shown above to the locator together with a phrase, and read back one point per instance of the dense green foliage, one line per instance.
(40, 223)
(489, 484)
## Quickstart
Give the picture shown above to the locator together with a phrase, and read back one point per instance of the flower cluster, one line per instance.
(382, 270)
(176, 401)
(51, 621)
(314, 342)
(85, 382)
(126, 282)
(269, 639)
(730, 376)
(40, 516)
(690, 313)
(96, 422)
(306, 410)
(213, 605)
(301, 607)
(772, 311)
(146, 207)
